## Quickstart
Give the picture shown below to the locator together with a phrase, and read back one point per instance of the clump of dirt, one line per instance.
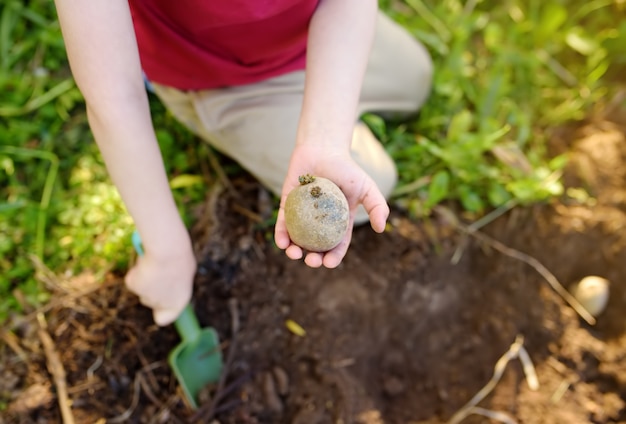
(398, 334)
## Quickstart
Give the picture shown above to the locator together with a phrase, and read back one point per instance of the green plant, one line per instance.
(506, 72)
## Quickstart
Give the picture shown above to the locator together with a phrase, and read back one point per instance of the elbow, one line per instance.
(106, 101)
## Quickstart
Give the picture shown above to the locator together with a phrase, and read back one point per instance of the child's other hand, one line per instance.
(164, 284)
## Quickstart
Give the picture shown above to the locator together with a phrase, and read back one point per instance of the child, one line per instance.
(276, 85)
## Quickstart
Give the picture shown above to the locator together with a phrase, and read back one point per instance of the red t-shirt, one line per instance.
(201, 44)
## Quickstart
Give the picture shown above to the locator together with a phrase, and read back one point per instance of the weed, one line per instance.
(506, 72)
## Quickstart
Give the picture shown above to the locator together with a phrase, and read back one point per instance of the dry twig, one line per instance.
(148, 368)
(11, 340)
(55, 366)
(89, 386)
(66, 300)
(124, 416)
(516, 350)
(221, 174)
(252, 216)
(494, 415)
(138, 384)
(93, 367)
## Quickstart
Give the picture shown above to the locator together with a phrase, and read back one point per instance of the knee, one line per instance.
(414, 75)
(400, 71)
(369, 153)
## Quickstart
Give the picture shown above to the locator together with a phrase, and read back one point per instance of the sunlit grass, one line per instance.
(506, 73)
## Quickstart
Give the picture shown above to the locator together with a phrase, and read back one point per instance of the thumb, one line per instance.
(377, 208)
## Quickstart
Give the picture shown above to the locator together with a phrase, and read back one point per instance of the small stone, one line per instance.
(282, 380)
(205, 394)
(271, 395)
(393, 386)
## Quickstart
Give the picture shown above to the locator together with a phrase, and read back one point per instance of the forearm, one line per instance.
(340, 38)
(103, 54)
(128, 145)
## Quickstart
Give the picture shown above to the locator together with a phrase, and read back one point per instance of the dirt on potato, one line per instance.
(407, 330)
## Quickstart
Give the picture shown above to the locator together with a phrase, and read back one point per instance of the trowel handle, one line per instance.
(186, 324)
(136, 239)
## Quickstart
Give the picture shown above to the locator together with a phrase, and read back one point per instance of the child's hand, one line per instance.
(337, 165)
(163, 283)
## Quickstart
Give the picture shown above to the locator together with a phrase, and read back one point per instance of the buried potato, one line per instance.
(316, 214)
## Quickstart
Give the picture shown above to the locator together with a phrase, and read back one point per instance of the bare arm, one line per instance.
(102, 51)
(340, 38)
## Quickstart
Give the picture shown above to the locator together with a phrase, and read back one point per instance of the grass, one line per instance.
(506, 74)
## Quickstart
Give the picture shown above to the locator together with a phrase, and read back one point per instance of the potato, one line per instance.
(316, 214)
(593, 293)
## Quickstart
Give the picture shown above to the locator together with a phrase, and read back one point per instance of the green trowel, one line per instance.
(197, 359)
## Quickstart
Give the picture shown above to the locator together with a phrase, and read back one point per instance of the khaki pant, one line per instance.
(256, 124)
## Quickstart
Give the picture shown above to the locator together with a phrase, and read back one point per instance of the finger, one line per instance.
(294, 252)
(281, 236)
(314, 260)
(333, 258)
(129, 279)
(376, 206)
(164, 317)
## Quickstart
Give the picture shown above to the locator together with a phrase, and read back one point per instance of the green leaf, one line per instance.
(376, 124)
(558, 162)
(598, 72)
(525, 190)
(497, 194)
(460, 124)
(185, 180)
(7, 165)
(438, 188)
(493, 36)
(470, 200)
(579, 41)
(552, 18)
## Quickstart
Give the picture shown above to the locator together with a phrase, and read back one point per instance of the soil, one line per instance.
(407, 330)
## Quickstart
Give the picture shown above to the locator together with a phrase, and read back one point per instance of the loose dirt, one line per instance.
(407, 330)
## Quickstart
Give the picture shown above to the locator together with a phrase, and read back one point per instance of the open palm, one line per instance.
(336, 165)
